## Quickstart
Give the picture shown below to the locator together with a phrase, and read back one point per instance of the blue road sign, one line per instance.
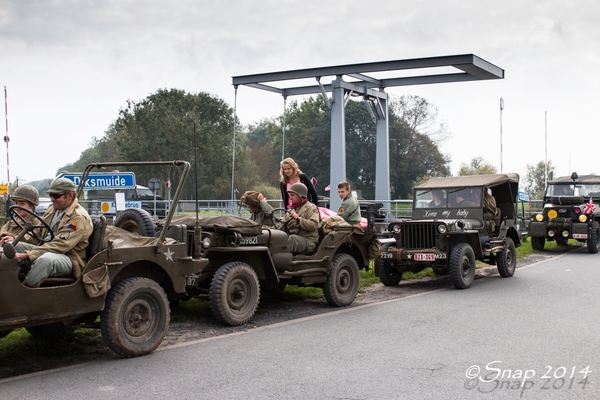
(118, 180)
(524, 197)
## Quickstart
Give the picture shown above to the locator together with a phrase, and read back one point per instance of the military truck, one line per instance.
(245, 258)
(569, 213)
(455, 221)
(128, 282)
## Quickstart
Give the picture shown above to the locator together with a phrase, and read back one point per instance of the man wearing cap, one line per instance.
(302, 222)
(27, 197)
(64, 255)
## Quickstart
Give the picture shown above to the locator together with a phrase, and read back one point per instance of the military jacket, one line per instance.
(308, 224)
(263, 216)
(12, 229)
(349, 209)
(71, 237)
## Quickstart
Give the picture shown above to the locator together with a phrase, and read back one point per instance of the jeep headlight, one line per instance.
(206, 242)
(396, 229)
(441, 228)
(539, 217)
(582, 218)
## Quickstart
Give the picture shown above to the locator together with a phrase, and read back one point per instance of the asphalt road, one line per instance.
(531, 336)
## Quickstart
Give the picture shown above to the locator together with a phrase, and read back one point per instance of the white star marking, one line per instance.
(409, 256)
(169, 254)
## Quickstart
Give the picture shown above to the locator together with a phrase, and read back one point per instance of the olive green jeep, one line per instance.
(124, 288)
(245, 258)
(569, 213)
(455, 221)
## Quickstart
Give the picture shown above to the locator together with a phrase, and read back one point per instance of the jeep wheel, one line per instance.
(537, 243)
(5, 333)
(567, 200)
(341, 285)
(593, 234)
(462, 266)
(135, 318)
(50, 331)
(234, 293)
(507, 259)
(136, 221)
(389, 275)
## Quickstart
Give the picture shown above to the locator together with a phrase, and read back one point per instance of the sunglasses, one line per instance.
(56, 196)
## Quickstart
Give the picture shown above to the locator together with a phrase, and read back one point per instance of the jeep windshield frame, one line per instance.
(184, 165)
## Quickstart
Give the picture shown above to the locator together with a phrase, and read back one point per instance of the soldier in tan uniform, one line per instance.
(302, 222)
(260, 210)
(27, 197)
(64, 255)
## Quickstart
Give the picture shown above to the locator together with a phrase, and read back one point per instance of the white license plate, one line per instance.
(387, 256)
(424, 257)
(249, 240)
(580, 236)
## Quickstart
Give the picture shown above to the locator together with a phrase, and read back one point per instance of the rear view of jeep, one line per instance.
(569, 212)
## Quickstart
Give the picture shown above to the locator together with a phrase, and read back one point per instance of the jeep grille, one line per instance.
(418, 236)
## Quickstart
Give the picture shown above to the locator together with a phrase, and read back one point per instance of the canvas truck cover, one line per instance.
(490, 180)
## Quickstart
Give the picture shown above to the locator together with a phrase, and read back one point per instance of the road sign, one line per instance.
(3, 189)
(117, 180)
(524, 197)
(110, 207)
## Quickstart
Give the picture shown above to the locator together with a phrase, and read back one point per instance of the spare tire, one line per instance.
(137, 221)
(567, 200)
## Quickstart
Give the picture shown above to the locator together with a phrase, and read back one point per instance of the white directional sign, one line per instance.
(117, 180)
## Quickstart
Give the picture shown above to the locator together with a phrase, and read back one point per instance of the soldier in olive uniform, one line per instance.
(64, 255)
(27, 197)
(349, 209)
(302, 222)
(260, 210)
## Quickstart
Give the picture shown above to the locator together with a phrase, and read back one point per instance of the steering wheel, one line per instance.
(27, 226)
(277, 216)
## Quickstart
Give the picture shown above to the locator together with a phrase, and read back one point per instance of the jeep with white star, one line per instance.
(455, 221)
(569, 212)
(125, 287)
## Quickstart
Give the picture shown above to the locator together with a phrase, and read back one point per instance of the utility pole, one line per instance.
(6, 138)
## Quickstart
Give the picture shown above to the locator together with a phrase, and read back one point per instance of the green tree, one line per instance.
(478, 166)
(534, 182)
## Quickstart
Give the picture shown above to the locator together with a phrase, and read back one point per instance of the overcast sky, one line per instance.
(69, 66)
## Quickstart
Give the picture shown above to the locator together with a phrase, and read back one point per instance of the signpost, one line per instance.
(117, 180)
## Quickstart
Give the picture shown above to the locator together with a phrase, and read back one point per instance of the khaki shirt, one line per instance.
(12, 229)
(263, 216)
(71, 237)
(349, 209)
(308, 224)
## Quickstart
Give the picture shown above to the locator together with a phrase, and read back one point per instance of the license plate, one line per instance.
(424, 257)
(387, 255)
(249, 240)
(580, 236)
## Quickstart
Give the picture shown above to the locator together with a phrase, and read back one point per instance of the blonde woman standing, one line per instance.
(289, 174)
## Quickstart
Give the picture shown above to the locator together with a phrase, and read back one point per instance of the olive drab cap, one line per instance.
(27, 193)
(60, 185)
(299, 188)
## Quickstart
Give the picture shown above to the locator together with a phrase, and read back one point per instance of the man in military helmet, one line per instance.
(302, 222)
(260, 210)
(64, 255)
(27, 197)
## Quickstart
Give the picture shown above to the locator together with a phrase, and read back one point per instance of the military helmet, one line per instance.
(27, 193)
(299, 188)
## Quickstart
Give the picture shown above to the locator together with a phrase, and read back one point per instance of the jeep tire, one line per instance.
(506, 260)
(592, 241)
(234, 293)
(135, 318)
(389, 275)
(137, 221)
(567, 200)
(462, 266)
(341, 286)
(537, 243)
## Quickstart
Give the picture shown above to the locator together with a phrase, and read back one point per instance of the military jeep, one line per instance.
(245, 258)
(127, 282)
(569, 213)
(455, 221)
